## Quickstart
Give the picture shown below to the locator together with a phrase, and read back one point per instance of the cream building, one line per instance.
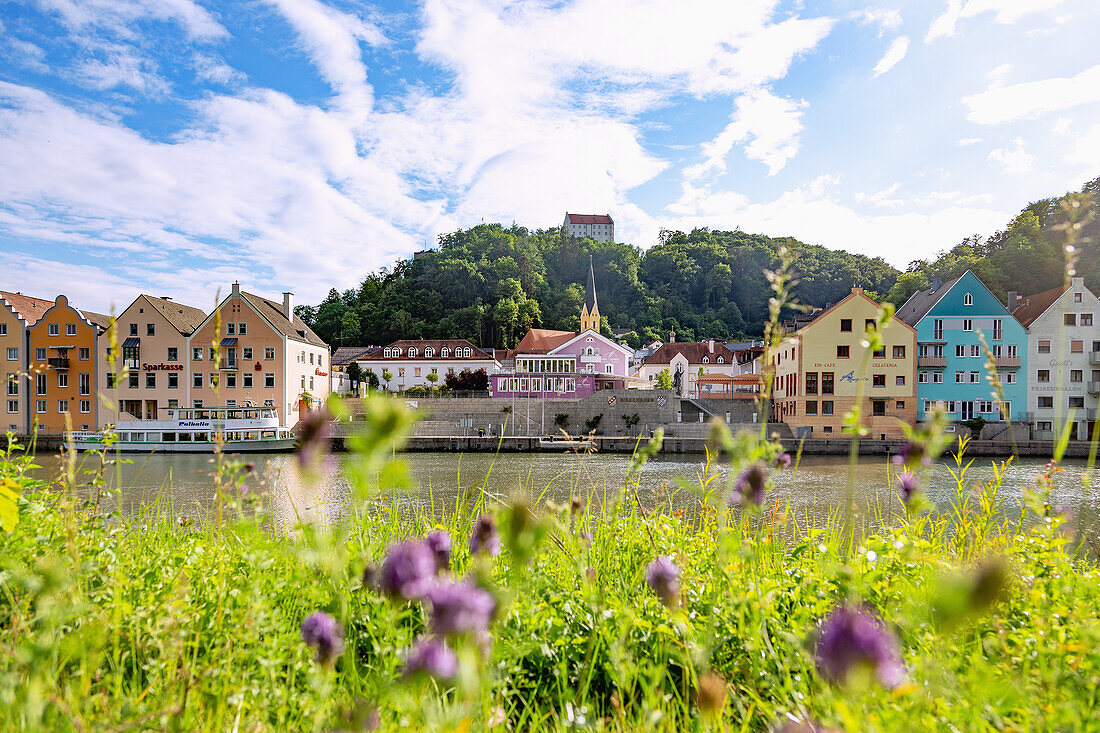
(819, 373)
(1063, 343)
(410, 361)
(148, 371)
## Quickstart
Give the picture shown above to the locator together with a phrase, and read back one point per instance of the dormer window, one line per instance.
(444, 352)
(721, 360)
(968, 299)
(589, 339)
(412, 352)
(706, 360)
(429, 352)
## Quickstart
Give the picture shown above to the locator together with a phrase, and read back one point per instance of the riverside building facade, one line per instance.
(148, 371)
(952, 366)
(410, 361)
(1063, 357)
(686, 361)
(822, 370)
(18, 312)
(256, 351)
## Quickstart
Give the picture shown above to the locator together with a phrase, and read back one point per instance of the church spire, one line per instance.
(590, 312)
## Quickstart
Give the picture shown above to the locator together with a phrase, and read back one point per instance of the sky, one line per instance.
(174, 146)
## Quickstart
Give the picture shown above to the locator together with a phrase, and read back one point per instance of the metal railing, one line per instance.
(932, 362)
(58, 362)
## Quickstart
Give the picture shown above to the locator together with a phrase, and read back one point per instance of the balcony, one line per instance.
(1094, 357)
(932, 362)
(58, 362)
(229, 364)
(1007, 362)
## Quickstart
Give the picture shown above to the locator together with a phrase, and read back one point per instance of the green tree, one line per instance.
(664, 379)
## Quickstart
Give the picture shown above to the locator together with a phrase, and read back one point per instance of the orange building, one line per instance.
(17, 313)
(62, 346)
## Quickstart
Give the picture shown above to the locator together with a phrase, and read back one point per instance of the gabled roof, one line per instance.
(347, 354)
(541, 340)
(590, 291)
(184, 318)
(586, 334)
(588, 218)
(922, 301)
(99, 319)
(1033, 306)
(273, 312)
(28, 308)
(693, 351)
(404, 345)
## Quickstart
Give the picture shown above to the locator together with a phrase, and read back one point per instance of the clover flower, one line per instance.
(485, 538)
(783, 460)
(908, 486)
(460, 608)
(851, 638)
(408, 571)
(912, 453)
(322, 632)
(749, 488)
(432, 657)
(439, 542)
(663, 577)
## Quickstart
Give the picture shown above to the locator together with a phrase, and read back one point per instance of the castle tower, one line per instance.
(590, 311)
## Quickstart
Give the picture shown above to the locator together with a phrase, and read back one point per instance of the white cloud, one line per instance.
(771, 124)
(963, 142)
(893, 55)
(887, 19)
(1006, 11)
(881, 199)
(1014, 161)
(1086, 151)
(1030, 99)
(119, 16)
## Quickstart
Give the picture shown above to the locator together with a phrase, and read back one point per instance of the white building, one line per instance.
(600, 227)
(1063, 343)
(410, 361)
(685, 359)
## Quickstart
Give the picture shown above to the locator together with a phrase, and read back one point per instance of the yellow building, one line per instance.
(18, 312)
(822, 369)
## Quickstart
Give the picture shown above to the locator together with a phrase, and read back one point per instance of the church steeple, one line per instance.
(590, 311)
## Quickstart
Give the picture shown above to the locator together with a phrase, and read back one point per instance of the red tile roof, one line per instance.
(1033, 306)
(31, 309)
(541, 340)
(420, 345)
(694, 351)
(589, 219)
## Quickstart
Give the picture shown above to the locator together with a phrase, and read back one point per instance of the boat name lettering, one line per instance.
(197, 424)
(162, 367)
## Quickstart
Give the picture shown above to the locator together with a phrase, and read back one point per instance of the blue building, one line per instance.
(951, 364)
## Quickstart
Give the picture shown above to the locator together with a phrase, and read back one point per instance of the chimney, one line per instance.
(710, 345)
(1077, 282)
(288, 306)
(857, 291)
(166, 297)
(1013, 300)
(236, 289)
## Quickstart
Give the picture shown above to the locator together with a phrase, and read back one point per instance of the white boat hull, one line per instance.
(268, 445)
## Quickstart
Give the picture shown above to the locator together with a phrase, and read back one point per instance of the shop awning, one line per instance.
(131, 343)
(229, 341)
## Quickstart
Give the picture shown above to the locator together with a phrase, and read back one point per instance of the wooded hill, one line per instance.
(489, 284)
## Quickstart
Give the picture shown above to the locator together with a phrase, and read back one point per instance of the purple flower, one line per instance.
(408, 571)
(783, 460)
(460, 608)
(911, 453)
(749, 489)
(485, 537)
(663, 577)
(313, 433)
(439, 542)
(850, 638)
(432, 657)
(324, 634)
(908, 485)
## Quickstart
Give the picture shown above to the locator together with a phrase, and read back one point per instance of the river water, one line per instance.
(818, 488)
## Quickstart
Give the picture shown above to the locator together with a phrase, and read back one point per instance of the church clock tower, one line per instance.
(590, 311)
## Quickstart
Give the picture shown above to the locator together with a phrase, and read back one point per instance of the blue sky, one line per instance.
(173, 146)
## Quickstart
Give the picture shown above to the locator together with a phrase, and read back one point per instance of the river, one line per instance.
(819, 487)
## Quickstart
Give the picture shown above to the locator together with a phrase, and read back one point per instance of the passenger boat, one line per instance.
(566, 444)
(196, 430)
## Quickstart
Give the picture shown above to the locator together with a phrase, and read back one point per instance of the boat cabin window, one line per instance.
(169, 437)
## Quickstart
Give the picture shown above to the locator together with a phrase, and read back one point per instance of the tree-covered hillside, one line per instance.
(490, 284)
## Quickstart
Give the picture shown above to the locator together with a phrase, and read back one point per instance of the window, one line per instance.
(230, 380)
(878, 407)
(246, 380)
(3, 329)
(1044, 425)
(846, 324)
(62, 379)
(269, 381)
(968, 324)
(196, 353)
(1010, 377)
(246, 353)
(173, 353)
(40, 406)
(196, 403)
(311, 357)
(608, 369)
(269, 353)
(899, 380)
(213, 353)
(1076, 297)
(40, 353)
(827, 407)
(215, 380)
(1043, 375)
(150, 329)
(937, 329)
(826, 383)
(1044, 346)
(445, 352)
(84, 353)
(900, 404)
(111, 380)
(975, 351)
(1076, 375)
(40, 384)
(879, 353)
(811, 383)
(922, 377)
(842, 351)
(412, 352)
(1076, 347)
(416, 371)
(1077, 402)
(133, 329)
(1086, 319)
(428, 353)
(70, 329)
(85, 406)
(721, 360)
(960, 351)
(132, 382)
(898, 352)
(13, 353)
(150, 380)
(869, 324)
(230, 329)
(173, 380)
(84, 383)
(53, 329)
(1071, 319)
(13, 385)
(1046, 402)
(62, 406)
(13, 405)
(998, 329)
(968, 299)
(878, 380)
(974, 377)
(242, 329)
(196, 380)
(811, 407)
(937, 377)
